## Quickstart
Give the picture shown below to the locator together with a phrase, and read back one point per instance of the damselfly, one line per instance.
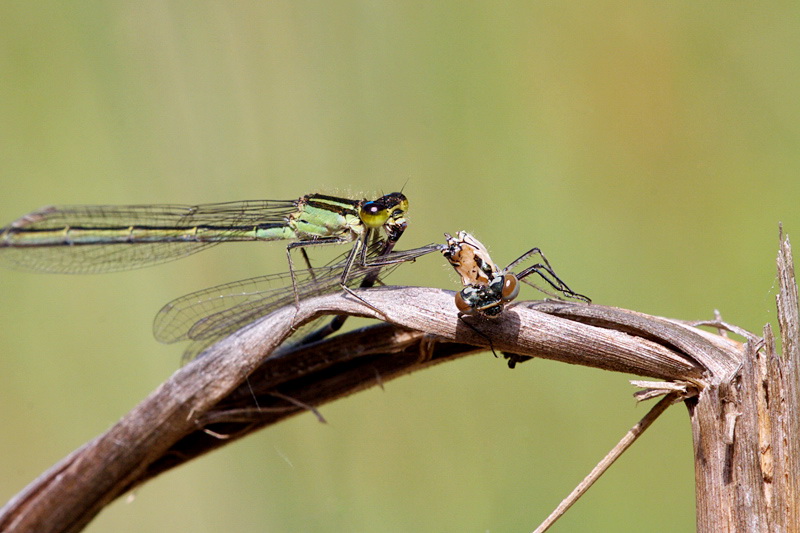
(487, 288)
(206, 316)
(90, 239)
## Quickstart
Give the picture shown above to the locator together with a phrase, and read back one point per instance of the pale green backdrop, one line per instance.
(649, 149)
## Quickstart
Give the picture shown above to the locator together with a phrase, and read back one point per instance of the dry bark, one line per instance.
(745, 430)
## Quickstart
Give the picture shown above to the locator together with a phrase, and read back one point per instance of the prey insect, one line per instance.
(488, 288)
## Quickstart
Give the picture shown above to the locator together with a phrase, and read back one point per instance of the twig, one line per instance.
(630, 437)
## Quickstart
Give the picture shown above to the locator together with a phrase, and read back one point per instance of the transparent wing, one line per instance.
(30, 243)
(211, 314)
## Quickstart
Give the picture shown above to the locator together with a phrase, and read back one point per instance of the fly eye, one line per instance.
(510, 287)
(373, 214)
(462, 305)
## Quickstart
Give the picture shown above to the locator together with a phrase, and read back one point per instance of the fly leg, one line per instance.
(546, 272)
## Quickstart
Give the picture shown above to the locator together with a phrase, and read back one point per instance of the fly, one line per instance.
(487, 288)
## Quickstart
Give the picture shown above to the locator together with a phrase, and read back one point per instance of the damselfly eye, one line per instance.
(371, 207)
(373, 214)
(462, 305)
(510, 288)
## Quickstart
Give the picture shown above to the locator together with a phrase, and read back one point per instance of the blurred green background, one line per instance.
(649, 149)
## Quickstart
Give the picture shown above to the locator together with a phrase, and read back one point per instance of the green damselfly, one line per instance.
(90, 239)
(96, 238)
(487, 288)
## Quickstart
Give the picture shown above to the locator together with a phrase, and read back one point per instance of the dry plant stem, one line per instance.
(337, 367)
(746, 431)
(209, 398)
(630, 437)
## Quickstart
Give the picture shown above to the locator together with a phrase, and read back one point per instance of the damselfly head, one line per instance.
(388, 211)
